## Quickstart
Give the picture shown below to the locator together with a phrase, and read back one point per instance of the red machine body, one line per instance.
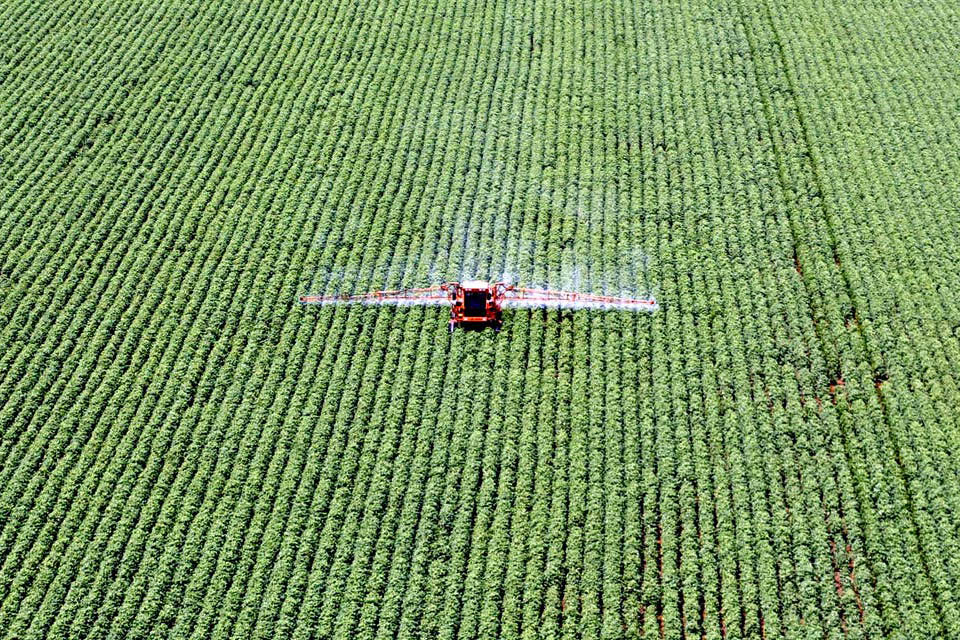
(476, 303)
(479, 304)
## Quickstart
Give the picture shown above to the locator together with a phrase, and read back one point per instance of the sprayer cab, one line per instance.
(476, 303)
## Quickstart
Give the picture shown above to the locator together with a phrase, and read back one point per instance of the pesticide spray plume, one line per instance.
(544, 284)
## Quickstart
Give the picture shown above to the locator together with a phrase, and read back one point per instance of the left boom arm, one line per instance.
(438, 295)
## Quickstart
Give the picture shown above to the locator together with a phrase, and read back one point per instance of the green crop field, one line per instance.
(187, 452)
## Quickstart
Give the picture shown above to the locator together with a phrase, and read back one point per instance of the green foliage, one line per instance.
(187, 453)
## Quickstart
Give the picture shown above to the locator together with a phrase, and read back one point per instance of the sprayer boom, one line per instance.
(478, 303)
(423, 296)
(527, 298)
